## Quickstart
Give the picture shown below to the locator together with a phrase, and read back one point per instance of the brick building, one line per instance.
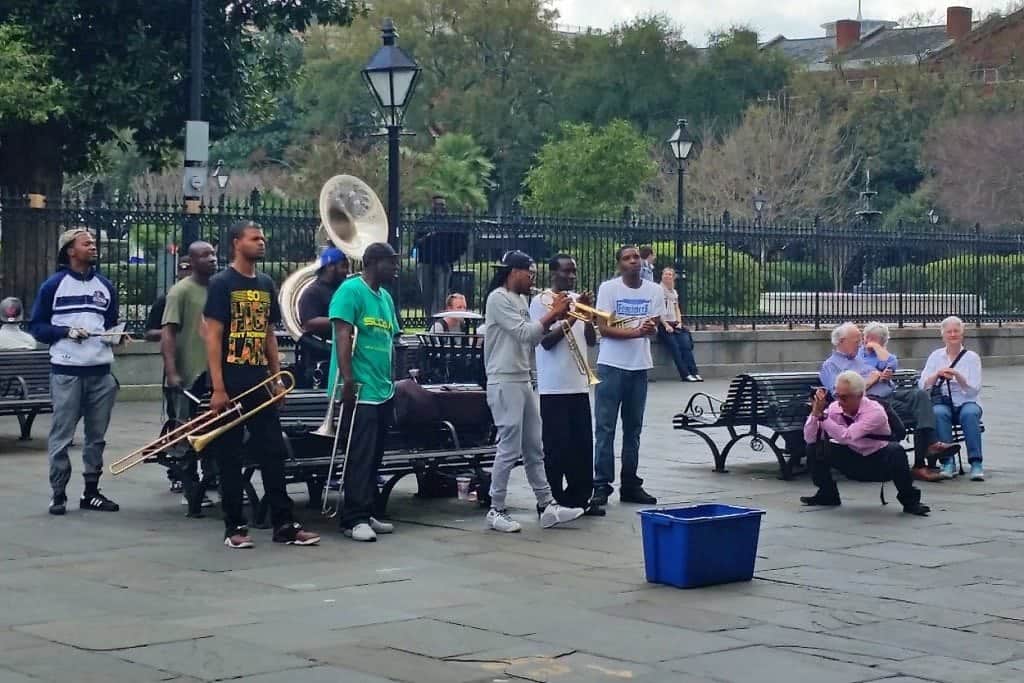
(859, 50)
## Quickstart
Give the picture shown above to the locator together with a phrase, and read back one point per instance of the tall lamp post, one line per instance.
(681, 143)
(197, 132)
(391, 76)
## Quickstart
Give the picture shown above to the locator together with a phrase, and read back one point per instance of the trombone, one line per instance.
(195, 430)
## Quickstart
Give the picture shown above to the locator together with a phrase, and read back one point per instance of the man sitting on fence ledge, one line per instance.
(912, 405)
(854, 434)
(12, 337)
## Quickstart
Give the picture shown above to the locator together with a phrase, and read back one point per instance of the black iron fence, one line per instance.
(730, 273)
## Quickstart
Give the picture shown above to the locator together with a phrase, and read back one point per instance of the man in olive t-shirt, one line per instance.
(363, 308)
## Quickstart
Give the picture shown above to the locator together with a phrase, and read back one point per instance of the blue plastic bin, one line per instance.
(701, 545)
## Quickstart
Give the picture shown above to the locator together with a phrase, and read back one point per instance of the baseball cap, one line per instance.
(516, 260)
(68, 236)
(10, 310)
(330, 256)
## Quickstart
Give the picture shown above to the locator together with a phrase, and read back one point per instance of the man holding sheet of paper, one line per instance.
(76, 313)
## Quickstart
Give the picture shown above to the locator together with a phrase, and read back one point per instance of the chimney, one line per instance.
(847, 34)
(958, 22)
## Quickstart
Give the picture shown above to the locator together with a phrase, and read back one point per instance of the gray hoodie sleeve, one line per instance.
(504, 312)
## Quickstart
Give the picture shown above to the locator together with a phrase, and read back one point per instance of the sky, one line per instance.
(792, 18)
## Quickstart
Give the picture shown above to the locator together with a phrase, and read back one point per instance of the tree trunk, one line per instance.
(30, 163)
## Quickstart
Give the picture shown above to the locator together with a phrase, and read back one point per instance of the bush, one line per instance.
(720, 280)
(776, 282)
(996, 278)
(136, 282)
(909, 278)
(802, 276)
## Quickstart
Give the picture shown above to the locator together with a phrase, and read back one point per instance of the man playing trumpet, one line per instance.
(563, 381)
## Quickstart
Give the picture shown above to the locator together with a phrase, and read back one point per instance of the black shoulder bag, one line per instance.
(940, 398)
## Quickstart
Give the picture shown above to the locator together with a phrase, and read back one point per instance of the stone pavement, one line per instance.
(861, 593)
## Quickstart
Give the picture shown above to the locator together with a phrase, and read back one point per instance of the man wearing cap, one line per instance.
(72, 306)
(12, 337)
(515, 407)
(314, 305)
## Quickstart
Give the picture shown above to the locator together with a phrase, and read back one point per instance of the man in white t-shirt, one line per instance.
(565, 395)
(622, 364)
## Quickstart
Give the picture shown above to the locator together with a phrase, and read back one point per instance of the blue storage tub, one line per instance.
(700, 545)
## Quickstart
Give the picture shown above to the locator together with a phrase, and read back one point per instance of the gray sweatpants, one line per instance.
(516, 411)
(75, 398)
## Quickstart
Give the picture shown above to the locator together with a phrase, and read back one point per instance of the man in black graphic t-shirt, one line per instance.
(240, 313)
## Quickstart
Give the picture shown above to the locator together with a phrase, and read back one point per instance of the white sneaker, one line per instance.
(691, 378)
(699, 378)
(361, 532)
(556, 514)
(381, 527)
(499, 520)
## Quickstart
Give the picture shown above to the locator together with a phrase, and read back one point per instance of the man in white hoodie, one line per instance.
(72, 306)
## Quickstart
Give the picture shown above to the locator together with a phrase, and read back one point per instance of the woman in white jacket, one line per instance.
(955, 372)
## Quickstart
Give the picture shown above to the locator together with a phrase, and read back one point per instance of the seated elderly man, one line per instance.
(875, 364)
(857, 432)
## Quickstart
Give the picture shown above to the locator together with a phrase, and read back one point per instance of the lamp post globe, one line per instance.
(680, 143)
(391, 76)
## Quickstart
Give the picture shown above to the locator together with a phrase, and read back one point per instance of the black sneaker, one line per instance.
(822, 500)
(919, 509)
(637, 495)
(97, 501)
(599, 499)
(593, 510)
(293, 534)
(58, 504)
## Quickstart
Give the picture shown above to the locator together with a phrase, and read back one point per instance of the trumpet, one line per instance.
(589, 313)
(195, 430)
(577, 353)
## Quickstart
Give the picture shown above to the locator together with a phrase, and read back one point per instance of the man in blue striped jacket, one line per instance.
(72, 306)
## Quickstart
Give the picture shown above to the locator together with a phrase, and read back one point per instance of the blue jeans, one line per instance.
(76, 398)
(969, 417)
(624, 390)
(680, 345)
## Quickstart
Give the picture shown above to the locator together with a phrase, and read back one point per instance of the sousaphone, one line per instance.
(352, 218)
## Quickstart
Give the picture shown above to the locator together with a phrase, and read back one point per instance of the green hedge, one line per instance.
(911, 279)
(998, 279)
(799, 276)
(720, 280)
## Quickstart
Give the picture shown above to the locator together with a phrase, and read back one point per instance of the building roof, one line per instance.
(803, 50)
(899, 44)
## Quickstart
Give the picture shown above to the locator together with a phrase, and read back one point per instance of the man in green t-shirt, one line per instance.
(363, 308)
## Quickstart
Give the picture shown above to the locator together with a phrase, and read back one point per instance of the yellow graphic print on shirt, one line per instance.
(247, 335)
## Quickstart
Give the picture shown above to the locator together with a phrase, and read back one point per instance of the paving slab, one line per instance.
(939, 641)
(397, 665)
(317, 674)
(112, 634)
(212, 659)
(761, 664)
(61, 663)
(952, 670)
(428, 637)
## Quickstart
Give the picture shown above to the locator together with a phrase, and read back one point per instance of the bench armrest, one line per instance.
(703, 406)
(17, 383)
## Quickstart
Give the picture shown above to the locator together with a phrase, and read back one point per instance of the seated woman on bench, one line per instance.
(953, 376)
(856, 434)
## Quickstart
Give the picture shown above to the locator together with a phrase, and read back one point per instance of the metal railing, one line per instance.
(731, 272)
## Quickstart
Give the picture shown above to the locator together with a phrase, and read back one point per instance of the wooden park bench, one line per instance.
(25, 387)
(762, 407)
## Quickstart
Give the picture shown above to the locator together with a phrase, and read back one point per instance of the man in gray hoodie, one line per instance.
(508, 348)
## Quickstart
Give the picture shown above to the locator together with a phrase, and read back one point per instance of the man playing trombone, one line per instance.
(362, 308)
(563, 382)
(241, 352)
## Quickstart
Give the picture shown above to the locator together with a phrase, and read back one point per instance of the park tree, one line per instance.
(125, 65)
(978, 170)
(796, 157)
(29, 91)
(587, 171)
(636, 71)
(459, 170)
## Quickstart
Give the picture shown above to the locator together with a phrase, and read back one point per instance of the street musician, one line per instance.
(314, 345)
(563, 382)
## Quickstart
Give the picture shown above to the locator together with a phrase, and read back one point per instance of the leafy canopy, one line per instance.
(589, 172)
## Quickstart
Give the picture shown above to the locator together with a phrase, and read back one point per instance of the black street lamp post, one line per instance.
(681, 143)
(391, 76)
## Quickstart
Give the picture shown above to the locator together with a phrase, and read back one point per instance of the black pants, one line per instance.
(568, 447)
(267, 447)
(363, 461)
(915, 405)
(886, 464)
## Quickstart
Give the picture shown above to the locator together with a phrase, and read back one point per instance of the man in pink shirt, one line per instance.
(858, 432)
